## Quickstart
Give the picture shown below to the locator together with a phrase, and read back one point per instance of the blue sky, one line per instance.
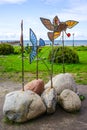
(13, 11)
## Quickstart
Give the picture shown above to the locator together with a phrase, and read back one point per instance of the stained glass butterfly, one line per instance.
(33, 40)
(41, 42)
(57, 27)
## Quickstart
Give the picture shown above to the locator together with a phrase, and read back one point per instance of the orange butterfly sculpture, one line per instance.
(57, 27)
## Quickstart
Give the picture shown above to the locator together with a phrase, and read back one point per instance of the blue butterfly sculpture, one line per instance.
(33, 40)
(41, 42)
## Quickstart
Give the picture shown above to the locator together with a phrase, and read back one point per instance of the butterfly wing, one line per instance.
(71, 23)
(56, 21)
(33, 40)
(32, 55)
(41, 42)
(47, 23)
(53, 36)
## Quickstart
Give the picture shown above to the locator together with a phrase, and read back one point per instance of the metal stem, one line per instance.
(63, 51)
(22, 49)
(52, 59)
(37, 65)
(22, 69)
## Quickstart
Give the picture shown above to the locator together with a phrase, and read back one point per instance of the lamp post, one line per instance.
(73, 39)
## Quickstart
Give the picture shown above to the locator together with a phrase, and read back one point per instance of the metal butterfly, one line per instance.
(33, 40)
(57, 27)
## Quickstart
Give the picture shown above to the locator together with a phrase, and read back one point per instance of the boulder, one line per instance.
(20, 106)
(69, 100)
(36, 86)
(61, 82)
(49, 97)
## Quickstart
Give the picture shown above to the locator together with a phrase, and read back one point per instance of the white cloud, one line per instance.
(73, 13)
(51, 2)
(11, 1)
(74, 9)
(10, 35)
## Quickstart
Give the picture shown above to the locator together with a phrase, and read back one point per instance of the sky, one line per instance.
(13, 11)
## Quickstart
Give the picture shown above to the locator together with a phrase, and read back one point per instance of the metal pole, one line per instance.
(37, 65)
(63, 51)
(52, 58)
(22, 49)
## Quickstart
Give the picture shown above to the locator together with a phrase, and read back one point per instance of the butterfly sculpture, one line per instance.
(57, 27)
(41, 42)
(33, 40)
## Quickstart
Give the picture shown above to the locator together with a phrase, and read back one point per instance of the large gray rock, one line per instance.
(61, 82)
(49, 97)
(20, 106)
(69, 100)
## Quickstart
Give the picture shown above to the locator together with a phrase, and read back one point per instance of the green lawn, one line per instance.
(10, 67)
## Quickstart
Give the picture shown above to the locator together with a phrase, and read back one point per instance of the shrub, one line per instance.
(6, 49)
(39, 49)
(17, 49)
(27, 49)
(70, 56)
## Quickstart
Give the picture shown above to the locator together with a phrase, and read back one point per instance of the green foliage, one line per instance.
(17, 49)
(27, 49)
(10, 122)
(70, 56)
(6, 49)
(6, 120)
(81, 97)
(39, 49)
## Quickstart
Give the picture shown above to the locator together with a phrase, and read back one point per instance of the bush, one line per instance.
(6, 49)
(70, 56)
(27, 49)
(17, 49)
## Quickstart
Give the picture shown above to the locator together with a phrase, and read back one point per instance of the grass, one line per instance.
(11, 66)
